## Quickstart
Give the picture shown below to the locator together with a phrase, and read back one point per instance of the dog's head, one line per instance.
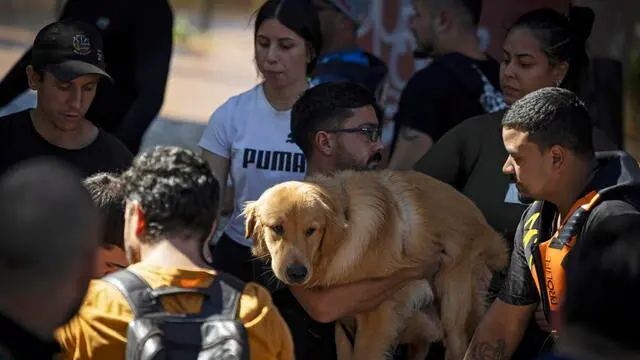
(293, 224)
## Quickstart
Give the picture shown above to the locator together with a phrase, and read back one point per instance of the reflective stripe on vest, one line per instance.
(546, 259)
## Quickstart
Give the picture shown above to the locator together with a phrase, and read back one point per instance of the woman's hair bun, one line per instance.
(581, 20)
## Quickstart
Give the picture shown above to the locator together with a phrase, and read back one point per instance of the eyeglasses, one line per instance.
(372, 133)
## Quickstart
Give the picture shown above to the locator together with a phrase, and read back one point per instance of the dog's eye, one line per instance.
(278, 229)
(309, 231)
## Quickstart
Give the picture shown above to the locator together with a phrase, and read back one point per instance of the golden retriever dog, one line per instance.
(333, 230)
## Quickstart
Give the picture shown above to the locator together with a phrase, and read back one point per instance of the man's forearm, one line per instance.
(330, 304)
(488, 350)
(499, 332)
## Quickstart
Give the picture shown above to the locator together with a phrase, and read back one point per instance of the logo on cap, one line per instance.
(81, 45)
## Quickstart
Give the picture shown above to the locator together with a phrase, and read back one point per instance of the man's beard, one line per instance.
(348, 163)
(374, 159)
(525, 199)
(424, 49)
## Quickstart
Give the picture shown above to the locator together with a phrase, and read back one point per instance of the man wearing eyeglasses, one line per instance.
(337, 127)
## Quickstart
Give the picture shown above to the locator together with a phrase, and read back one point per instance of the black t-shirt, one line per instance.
(449, 90)
(137, 38)
(606, 219)
(20, 141)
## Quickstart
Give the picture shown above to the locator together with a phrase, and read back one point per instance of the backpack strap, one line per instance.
(136, 291)
(224, 295)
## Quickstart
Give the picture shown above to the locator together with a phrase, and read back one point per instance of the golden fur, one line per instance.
(358, 225)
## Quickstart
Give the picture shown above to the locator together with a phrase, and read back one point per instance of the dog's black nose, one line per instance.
(296, 273)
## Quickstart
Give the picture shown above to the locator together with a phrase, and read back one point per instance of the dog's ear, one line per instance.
(334, 209)
(249, 213)
(253, 230)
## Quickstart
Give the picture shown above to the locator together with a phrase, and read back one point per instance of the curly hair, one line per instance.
(176, 190)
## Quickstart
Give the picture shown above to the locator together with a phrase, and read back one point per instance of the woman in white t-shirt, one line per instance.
(246, 137)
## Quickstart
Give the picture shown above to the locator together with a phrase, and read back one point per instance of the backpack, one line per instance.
(154, 334)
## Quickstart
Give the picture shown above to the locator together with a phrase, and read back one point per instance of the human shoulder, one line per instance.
(10, 120)
(434, 74)
(612, 216)
(255, 303)
(113, 144)
(99, 330)
(430, 87)
(481, 124)
(246, 98)
(103, 298)
(116, 154)
(240, 105)
(268, 334)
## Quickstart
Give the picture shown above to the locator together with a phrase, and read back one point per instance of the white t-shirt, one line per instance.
(250, 132)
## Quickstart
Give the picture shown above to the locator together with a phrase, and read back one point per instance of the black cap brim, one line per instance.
(72, 69)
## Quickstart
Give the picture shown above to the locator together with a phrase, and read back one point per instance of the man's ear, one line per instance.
(324, 143)
(253, 230)
(139, 223)
(558, 157)
(444, 21)
(34, 79)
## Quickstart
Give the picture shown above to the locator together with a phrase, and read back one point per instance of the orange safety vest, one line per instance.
(546, 259)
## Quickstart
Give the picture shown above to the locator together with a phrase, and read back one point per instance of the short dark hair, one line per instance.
(471, 9)
(326, 105)
(562, 39)
(603, 282)
(300, 17)
(553, 116)
(178, 193)
(107, 193)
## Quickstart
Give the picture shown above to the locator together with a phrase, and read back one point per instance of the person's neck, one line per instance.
(179, 253)
(465, 43)
(574, 185)
(319, 166)
(283, 98)
(78, 138)
(578, 343)
(23, 315)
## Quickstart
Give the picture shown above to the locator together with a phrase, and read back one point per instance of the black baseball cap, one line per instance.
(69, 49)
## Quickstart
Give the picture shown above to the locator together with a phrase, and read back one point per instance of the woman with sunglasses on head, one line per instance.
(542, 48)
(246, 138)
